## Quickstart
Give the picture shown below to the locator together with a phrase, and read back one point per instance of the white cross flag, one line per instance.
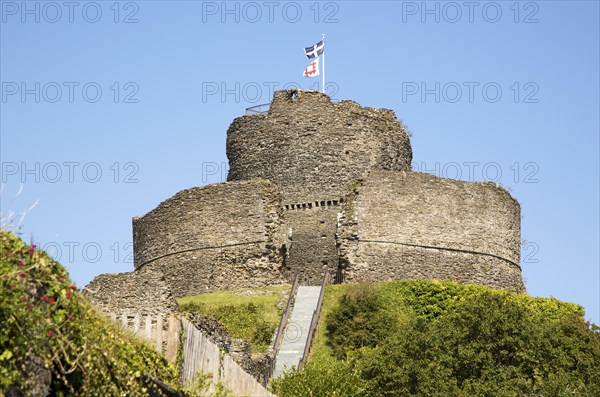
(312, 69)
(315, 50)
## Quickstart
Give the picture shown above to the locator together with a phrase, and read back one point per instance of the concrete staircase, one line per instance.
(296, 331)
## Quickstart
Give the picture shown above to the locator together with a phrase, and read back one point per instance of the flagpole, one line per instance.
(323, 80)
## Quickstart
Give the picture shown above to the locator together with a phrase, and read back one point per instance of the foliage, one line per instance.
(326, 378)
(494, 344)
(51, 336)
(320, 348)
(431, 299)
(359, 321)
(201, 384)
(252, 317)
(450, 339)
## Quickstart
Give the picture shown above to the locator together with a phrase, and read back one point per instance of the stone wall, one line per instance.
(140, 301)
(143, 292)
(398, 225)
(313, 245)
(312, 148)
(221, 236)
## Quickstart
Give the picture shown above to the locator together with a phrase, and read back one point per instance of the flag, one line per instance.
(312, 69)
(315, 50)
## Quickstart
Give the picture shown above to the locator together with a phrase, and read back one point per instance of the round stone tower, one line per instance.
(312, 148)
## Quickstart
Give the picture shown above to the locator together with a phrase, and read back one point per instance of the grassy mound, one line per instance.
(431, 338)
(251, 315)
(52, 341)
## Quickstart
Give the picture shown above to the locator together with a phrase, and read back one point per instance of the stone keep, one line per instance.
(312, 149)
(317, 186)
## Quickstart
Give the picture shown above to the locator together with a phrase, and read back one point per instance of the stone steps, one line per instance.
(296, 331)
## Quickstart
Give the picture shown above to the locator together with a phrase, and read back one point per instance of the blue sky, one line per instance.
(109, 108)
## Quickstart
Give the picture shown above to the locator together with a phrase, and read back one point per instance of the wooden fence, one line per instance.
(200, 354)
(161, 330)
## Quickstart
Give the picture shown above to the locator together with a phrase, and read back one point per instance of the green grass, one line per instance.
(319, 350)
(253, 318)
(421, 298)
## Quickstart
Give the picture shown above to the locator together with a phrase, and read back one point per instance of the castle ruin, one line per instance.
(316, 186)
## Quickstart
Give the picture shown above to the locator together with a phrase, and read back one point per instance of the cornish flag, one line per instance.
(315, 50)
(312, 69)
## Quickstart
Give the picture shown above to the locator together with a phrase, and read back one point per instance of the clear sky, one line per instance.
(109, 108)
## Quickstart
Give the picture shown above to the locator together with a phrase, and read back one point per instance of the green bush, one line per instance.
(330, 378)
(492, 344)
(359, 320)
(243, 321)
(434, 339)
(263, 334)
(51, 336)
(430, 299)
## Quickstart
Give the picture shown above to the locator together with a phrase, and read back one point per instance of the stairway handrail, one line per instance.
(283, 322)
(314, 322)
